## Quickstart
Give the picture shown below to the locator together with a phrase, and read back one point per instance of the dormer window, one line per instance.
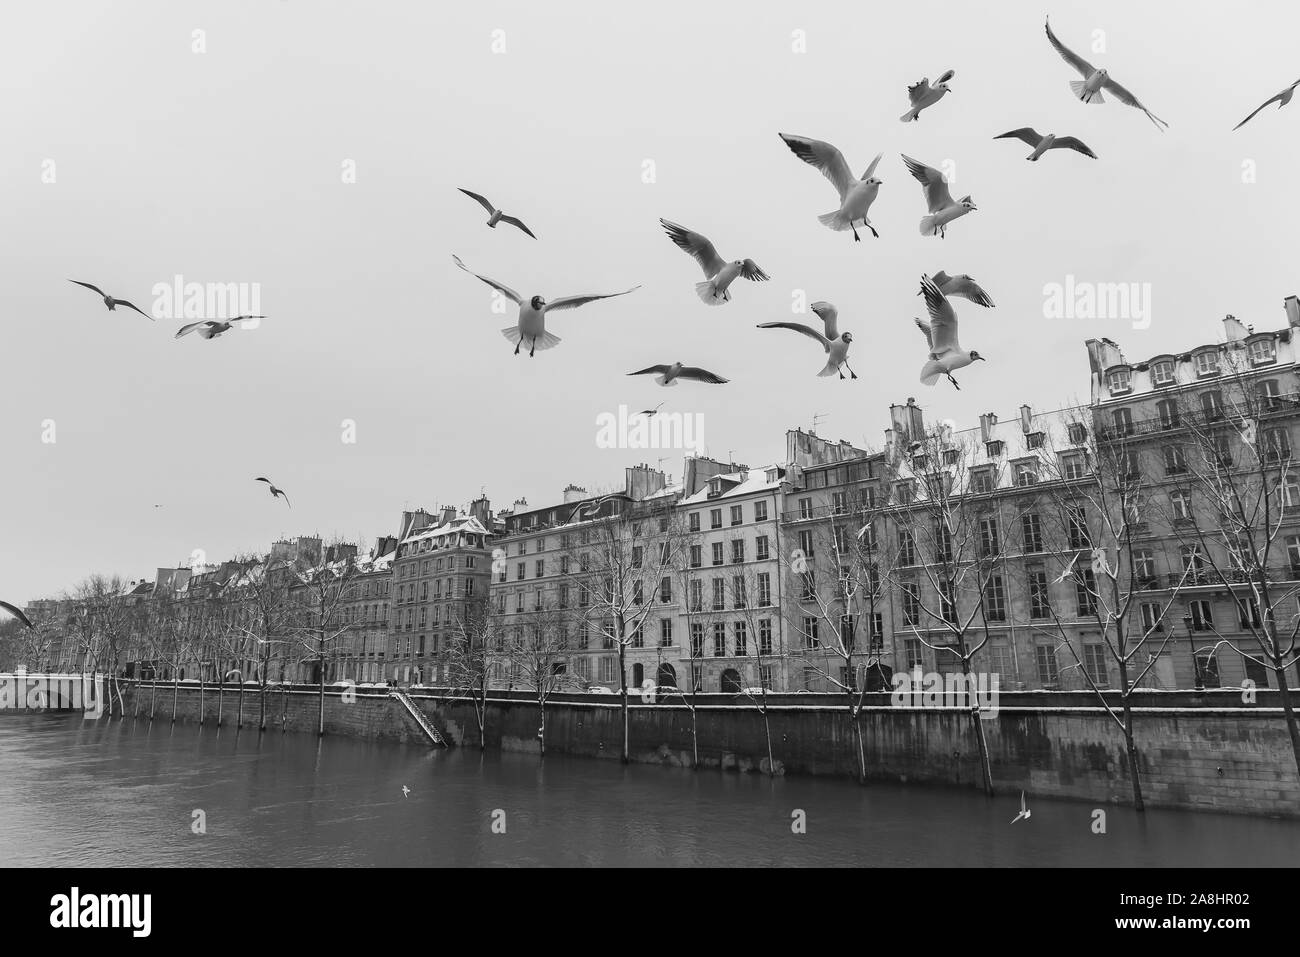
(1034, 440)
(1026, 473)
(950, 456)
(994, 448)
(1120, 381)
(1078, 433)
(1261, 352)
(1207, 363)
(1162, 372)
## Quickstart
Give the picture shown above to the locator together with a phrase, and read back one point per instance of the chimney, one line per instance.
(574, 493)
(1292, 306)
(987, 421)
(448, 514)
(1234, 330)
(521, 505)
(481, 509)
(698, 469)
(642, 481)
(1102, 354)
(1026, 419)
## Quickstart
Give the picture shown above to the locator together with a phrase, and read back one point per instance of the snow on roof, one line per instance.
(736, 484)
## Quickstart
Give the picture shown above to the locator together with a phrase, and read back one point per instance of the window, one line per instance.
(539, 568)
(995, 600)
(1077, 433)
(914, 653)
(904, 492)
(1002, 661)
(717, 553)
(738, 590)
(1193, 563)
(1175, 461)
(521, 571)
(839, 503)
(1122, 420)
(1168, 412)
(1293, 553)
(1207, 363)
(1202, 615)
(737, 551)
(694, 521)
(697, 556)
(697, 641)
(1119, 381)
(990, 545)
(982, 480)
(810, 635)
(942, 542)
(1289, 490)
(1261, 351)
(806, 543)
(808, 586)
(1026, 473)
(765, 636)
(1085, 593)
(1247, 614)
(1031, 529)
(764, 589)
(867, 537)
(761, 548)
(906, 548)
(638, 636)
(947, 607)
(1212, 406)
(696, 595)
(911, 603)
(1277, 445)
(1033, 440)
(1040, 601)
(741, 631)
(665, 590)
(1094, 662)
(719, 594)
(737, 517)
(1181, 504)
(1144, 567)
(1073, 466)
(1047, 672)
(994, 448)
(1152, 621)
(637, 592)
(1076, 526)
(1162, 372)
(715, 518)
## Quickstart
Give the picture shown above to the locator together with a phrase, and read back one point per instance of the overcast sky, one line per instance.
(226, 166)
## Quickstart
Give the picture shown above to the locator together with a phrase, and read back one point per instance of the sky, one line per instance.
(137, 151)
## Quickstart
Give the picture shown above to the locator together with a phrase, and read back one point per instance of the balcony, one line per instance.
(1269, 405)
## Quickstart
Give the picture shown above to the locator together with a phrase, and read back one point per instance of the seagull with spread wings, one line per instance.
(835, 346)
(668, 375)
(533, 312)
(856, 194)
(275, 492)
(718, 273)
(922, 95)
(946, 354)
(211, 328)
(961, 286)
(1042, 143)
(943, 210)
(1281, 99)
(1025, 813)
(110, 301)
(16, 612)
(495, 215)
(1094, 81)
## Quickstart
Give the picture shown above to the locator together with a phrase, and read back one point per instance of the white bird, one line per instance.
(962, 286)
(1042, 143)
(946, 354)
(922, 94)
(830, 317)
(937, 199)
(1281, 99)
(836, 348)
(856, 194)
(651, 412)
(275, 492)
(1094, 81)
(1292, 306)
(718, 274)
(1024, 810)
(406, 792)
(1068, 570)
(211, 328)
(495, 215)
(667, 375)
(110, 301)
(533, 312)
(16, 612)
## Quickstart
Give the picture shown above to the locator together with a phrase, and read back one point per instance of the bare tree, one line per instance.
(466, 657)
(536, 652)
(327, 590)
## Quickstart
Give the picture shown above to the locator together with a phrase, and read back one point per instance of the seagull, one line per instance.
(211, 328)
(532, 314)
(16, 612)
(942, 209)
(1024, 810)
(963, 287)
(1292, 306)
(275, 492)
(836, 348)
(718, 274)
(495, 215)
(1094, 81)
(1042, 144)
(667, 375)
(856, 195)
(1281, 99)
(406, 792)
(923, 94)
(110, 301)
(830, 317)
(650, 412)
(1068, 570)
(941, 335)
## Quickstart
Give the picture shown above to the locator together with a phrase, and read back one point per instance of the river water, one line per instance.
(125, 793)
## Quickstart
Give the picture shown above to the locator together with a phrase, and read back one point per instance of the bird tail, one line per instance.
(909, 116)
(547, 340)
(929, 226)
(708, 294)
(931, 371)
(513, 334)
(1077, 88)
(834, 220)
(662, 380)
(832, 367)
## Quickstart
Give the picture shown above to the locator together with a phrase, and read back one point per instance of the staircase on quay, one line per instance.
(428, 727)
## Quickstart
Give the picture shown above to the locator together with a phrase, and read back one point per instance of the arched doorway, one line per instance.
(730, 681)
(638, 675)
(666, 676)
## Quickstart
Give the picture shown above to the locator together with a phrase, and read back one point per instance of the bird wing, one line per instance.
(1026, 133)
(16, 612)
(651, 370)
(917, 91)
(696, 246)
(826, 158)
(937, 196)
(131, 305)
(573, 302)
(514, 221)
(871, 170)
(1073, 143)
(947, 75)
(102, 293)
(186, 330)
(483, 201)
(282, 494)
(266, 480)
(799, 327)
(499, 287)
(753, 273)
(700, 375)
(1271, 99)
(943, 320)
(829, 316)
(940, 278)
(1085, 68)
(968, 288)
(926, 331)
(1128, 99)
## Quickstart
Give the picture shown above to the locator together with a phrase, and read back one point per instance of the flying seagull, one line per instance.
(1042, 144)
(937, 199)
(962, 286)
(922, 94)
(1024, 810)
(667, 375)
(718, 274)
(110, 301)
(941, 335)
(16, 612)
(1281, 99)
(1094, 81)
(650, 412)
(211, 328)
(1065, 573)
(856, 194)
(275, 492)
(406, 792)
(532, 313)
(495, 215)
(837, 349)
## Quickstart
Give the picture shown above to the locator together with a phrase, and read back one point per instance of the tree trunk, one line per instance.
(239, 717)
(857, 740)
(1130, 746)
(541, 731)
(977, 725)
(176, 690)
(767, 733)
(622, 668)
(153, 698)
(320, 710)
(221, 697)
(202, 688)
(1284, 693)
